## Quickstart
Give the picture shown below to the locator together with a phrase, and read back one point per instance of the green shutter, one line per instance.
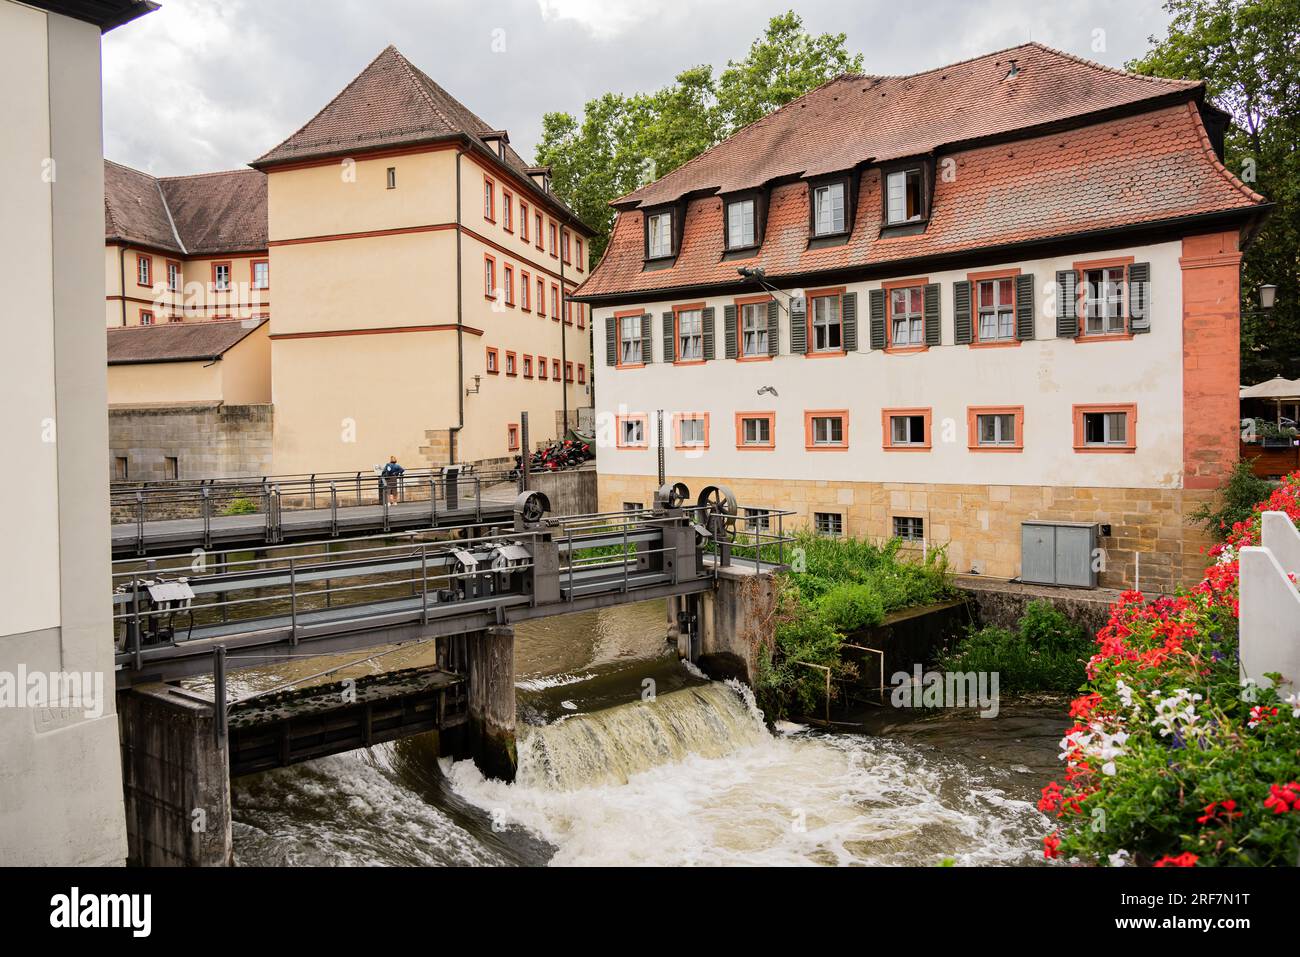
(1067, 304)
(961, 324)
(798, 326)
(1025, 307)
(647, 353)
(849, 320)
(876, 307)
(670, 337)
(933, 333)
(611, 341)
(729, 330)
(773, 328)
(1139, 297)
(706, 331)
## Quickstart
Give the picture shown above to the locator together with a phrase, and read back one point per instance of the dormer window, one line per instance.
(904, 196)
(742, 222)
(659, 235)
(829, 210)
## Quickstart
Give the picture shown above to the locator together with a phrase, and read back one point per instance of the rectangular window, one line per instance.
(537, 221)
(510, 284)
(582, 315)
(555, 302)
(1103, 301)
(569, 308)
(826, 429)
(392, 177)
(755, 430)
(690, 334)
(512, 437)
(740, 223)
(120, 469)
(753, 329)
(555, 369)
(489, 201)
(528, 367)
(507, 212)
(261, 274)
(827, 329)
(995, 428)
(146, 317)
(511, 364)
(758, 519)
(492, 359)
(523, 221)
(582, 374)
(659, 235)
(904, 196)
(909, 528)
(541, 297)
(568, 371)
(828, 209)
(553, 231)
(221, 276)
(829, 523)
(173, 276)
(997, 310)
(631, 431)
(489, 277)
(541, 367)
(691, 430)
(565, 251)
(144, 270)
(632, 506)
(1105, 428)
(171, 467)
(906, 429)
(525, 292)
(581, 261)
(907, 318)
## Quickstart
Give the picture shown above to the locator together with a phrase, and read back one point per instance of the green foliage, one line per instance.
(626, 141)
(836, 586)
(1046, 652)
(1234, 502)
(1245, 51)
(239, 505)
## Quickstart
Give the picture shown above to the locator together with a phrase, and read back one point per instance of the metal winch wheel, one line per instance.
(532, 507)
(718, 511)
(672, 495)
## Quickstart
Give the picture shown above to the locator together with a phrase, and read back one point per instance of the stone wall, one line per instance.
(209, 440)
(980, 524)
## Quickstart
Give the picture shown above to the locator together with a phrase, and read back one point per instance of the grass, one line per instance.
(836, 587)
(1045, 652)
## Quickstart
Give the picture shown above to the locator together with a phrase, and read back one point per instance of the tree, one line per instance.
(1245, 51)
(625, 142)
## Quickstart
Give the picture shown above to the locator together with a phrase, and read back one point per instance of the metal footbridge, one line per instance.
(171, 615)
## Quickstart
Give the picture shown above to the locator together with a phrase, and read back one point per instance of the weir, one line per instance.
(459, 596)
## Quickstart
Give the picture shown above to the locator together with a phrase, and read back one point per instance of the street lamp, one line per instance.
(1267, 296)
(759, 275)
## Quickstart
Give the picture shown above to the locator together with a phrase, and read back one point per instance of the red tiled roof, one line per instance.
(177, 341)
(854, 118)
(193, 215)
(1147, 168)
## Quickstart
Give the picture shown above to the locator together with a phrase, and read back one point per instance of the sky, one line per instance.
(202, 85)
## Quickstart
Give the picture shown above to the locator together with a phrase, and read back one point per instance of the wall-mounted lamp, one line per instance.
(473, 391)
(1267, 296)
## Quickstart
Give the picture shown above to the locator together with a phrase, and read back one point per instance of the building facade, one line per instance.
(1000, 292)
(60, 780)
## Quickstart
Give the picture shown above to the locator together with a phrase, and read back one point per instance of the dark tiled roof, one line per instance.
(177, 341)
(194, 215)
(854, 118)
(1147, 168)
(392, 103)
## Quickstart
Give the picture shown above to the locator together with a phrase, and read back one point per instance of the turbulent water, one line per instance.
(690, 775)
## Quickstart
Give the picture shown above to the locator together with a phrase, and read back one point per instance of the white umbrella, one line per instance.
(1277, 389)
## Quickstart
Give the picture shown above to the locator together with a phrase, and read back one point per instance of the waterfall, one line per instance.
(609, 746)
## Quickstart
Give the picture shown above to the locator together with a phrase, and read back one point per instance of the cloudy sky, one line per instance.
(202, 85)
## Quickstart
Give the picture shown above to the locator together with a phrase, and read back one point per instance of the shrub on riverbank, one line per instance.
(1171, 761)
(1045, 652)
(837, 586)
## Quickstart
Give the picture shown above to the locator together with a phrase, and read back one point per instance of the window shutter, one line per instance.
(611, 341)
(798, 326)
(1067, 304)
(933, 334)
(1139, 297)
(849, 320)
(876, 306)
(773, 328)
(961, 324)
(670, 335)
(647, 354)
(729, 331)
(1025, 307)
(706, 330)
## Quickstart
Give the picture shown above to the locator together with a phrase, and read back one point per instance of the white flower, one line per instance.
(1294, 701)
(1119, 858)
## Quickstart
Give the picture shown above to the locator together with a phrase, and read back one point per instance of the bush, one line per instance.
(1046, 652)
(239, 505)
(1234, 502)
(851, 607)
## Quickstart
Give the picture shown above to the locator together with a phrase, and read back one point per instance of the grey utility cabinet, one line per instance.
(1058, 553)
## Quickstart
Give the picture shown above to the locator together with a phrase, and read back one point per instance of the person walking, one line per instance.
(391, 476)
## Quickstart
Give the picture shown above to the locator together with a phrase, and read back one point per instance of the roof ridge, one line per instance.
(1116, 70)
(216, 172)
(1213, 157)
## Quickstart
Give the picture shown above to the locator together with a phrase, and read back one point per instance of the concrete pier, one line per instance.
(735, 621)
(490, 731)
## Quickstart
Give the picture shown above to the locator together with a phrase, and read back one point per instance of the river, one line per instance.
(626, 757)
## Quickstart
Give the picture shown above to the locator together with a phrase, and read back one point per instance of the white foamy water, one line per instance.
(694, 778)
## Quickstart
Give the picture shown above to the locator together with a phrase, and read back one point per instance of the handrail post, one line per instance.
(424, 583)
(207, 518)
(569, 534)
(293, 604)
(139, 522)
(383, 498)
(334, 510)
(313, 489)
(135, 642)
(624, 557)
(478, 498)
(433, 501)
(359, 488)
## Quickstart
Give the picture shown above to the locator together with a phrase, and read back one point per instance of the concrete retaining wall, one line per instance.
(572, 492)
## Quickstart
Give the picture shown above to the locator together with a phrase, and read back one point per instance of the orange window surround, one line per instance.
(681, 417)
(493, 361)
(1128, 445)
(643, 442)
(886, 424)
(769, 417)
(972, 427)
(809, 436)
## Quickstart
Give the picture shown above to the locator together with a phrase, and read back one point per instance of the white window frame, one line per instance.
(1000, 318)
(659, 235)
(1000, 420)
(633, 432)
(693, 424)
(827, 331)
(910, 323)
(834, 524)
(753, 329)
(221, 285)
(758, 440)
(1103, 302)
(829, 209)
(896, 184)
(742, 223)
(1108, 432)
(909, 440)
(909, 528)
(262, 264)
(630, 344)
(690, 335)
(823, 432)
